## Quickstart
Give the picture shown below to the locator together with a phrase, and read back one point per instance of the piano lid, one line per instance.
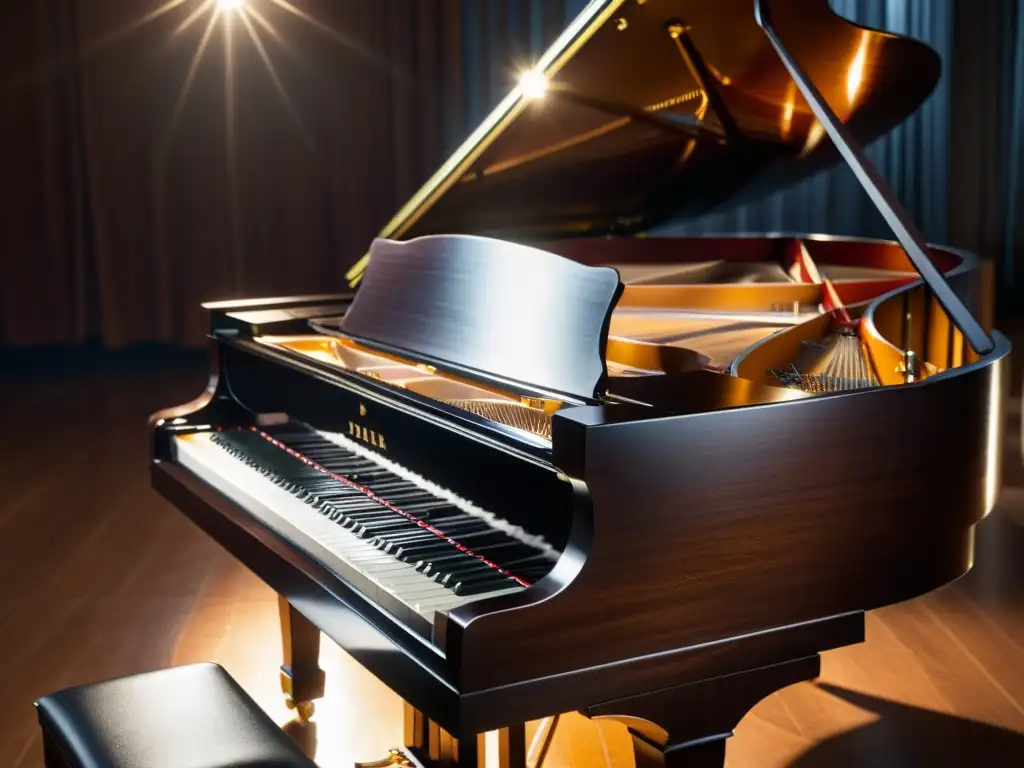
(650, 109)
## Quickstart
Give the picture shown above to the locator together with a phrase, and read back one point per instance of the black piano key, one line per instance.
(339, 494)
(395, 534)
(456, 555)
(481, 537)
(468, 575)
(467, 568)
(391, 486)
(446, 521)
(355, 516)
(491, 582)
(332, 495)
(531, 568)
(364, 476)
(401, 498)
(414, 544)
(425, 549)
(373, 525)
(395, 525)
(382, 528)
(493, 554)
(339, 459)
(514, 564)
(360, 504)
(403, 547)
(463, 525)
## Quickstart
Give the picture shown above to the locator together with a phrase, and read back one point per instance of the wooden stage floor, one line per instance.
(99, 577)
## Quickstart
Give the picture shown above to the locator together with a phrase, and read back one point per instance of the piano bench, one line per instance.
(194, 716)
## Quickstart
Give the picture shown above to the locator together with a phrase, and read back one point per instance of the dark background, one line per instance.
(117, 211)
(117, 220)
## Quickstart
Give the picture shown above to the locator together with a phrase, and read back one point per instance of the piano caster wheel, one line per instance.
(395, 758)
(303, 709)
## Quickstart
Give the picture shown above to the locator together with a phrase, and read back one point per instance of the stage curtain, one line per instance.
(123, 205)
(146, 171)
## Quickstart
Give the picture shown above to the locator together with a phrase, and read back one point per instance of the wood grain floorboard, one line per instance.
(99, 577)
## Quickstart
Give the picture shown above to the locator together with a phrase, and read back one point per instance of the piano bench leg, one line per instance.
(302, 680)
(688, 726)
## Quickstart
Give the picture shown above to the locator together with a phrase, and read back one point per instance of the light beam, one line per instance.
(533, 84)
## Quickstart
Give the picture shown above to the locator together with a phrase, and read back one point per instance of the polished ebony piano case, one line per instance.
(535, 460)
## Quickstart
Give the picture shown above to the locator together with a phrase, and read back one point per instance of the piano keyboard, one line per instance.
(412, 549)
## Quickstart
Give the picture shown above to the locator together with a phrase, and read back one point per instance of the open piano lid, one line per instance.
(650, 109)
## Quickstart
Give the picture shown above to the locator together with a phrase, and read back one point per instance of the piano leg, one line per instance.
(302, 680)
(511, 747)
(426, 744)
(687, 726)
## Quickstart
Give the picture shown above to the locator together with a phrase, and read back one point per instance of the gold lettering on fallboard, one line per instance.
(366, 435)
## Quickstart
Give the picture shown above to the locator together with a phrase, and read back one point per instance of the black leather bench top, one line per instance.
(194, 716)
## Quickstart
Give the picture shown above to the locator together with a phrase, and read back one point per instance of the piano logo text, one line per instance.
(366, 435)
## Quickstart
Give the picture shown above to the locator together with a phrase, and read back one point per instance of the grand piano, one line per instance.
(536, 459)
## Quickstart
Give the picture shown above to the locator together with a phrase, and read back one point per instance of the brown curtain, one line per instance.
(125, 204)
(42, 246)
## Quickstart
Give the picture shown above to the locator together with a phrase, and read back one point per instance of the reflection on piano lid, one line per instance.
(638, 123)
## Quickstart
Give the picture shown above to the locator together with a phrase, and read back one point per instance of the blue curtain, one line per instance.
(957, 164)
(500, 37)
(1014, 184)
(986, 211)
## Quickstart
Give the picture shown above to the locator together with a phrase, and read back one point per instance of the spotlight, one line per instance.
(533, 84)
(231, 5)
